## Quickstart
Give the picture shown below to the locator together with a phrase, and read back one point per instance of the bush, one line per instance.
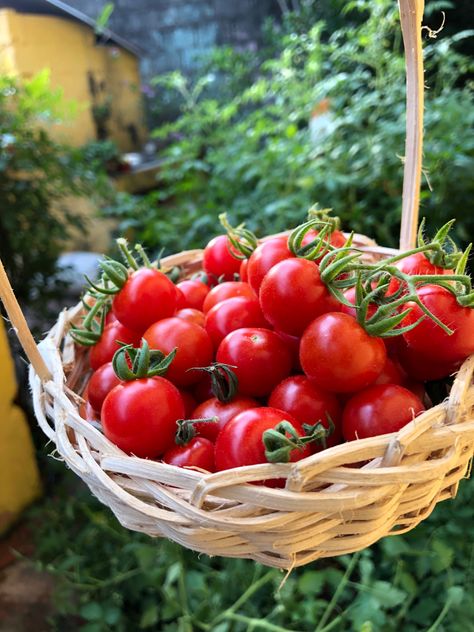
(253, 155)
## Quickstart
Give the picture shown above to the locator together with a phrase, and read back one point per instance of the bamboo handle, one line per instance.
(21, 328)
(411, 15)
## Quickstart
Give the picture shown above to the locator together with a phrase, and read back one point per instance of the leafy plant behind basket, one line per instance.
(253, 157)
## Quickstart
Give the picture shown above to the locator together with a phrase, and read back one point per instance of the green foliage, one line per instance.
(252, 155)
(36, 175)
(110, 579)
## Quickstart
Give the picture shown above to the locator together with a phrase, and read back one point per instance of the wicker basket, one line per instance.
(328, 507)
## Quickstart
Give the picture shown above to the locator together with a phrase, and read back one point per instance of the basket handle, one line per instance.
(411, 15)
(22, 330)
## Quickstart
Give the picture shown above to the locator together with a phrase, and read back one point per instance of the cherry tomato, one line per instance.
(100, 384)
(415, 264)
(292, 295)
(264, 257)
(181, 302)
(189, 402)
(194, 348)
(379, 409)
(240, 441)
(192, 316)
(147, 296)
(224, 412)
(392, 373)
(428, 338)
(336, 239)
(243, 270)
(198, 452)
(194, 293)
(260, 356)
(293, 344)
(423, 367)
(203, 389)
(339, 355)
(307, 403)
(104, 350)
(232, 314)
(223, 291)
(140, 416)
(87, 412)
(218, 260)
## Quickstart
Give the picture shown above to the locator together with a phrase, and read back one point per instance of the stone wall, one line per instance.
(173, 33)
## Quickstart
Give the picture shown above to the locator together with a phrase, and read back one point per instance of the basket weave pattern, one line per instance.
(337, 501)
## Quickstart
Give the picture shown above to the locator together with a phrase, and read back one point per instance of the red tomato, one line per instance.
(260, 356)
(337, 240)
(140, 416)
(147, 296)
(339, 355)
(224, 412)
(223, 291)
(308, 404)
(293, 344)
(217, 259)
(392, 373)
(379, 409)
(194, 348)
(423, 367)
(192, 316)
(198, 452)
(415, 264)
(428, 338)
(292, 295)
(181, 302)
(194, 293)
(240, 441)
(243, 270)
(104, 350)
(264, 257)
(87, 412)
(232, 314)
(189, 402)
(100, 384)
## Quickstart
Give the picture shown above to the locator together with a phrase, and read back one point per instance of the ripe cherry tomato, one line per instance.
(292, 295)
(240, 441)
(104, 350)
(428, 338)
(218, 260)
(339, 355)
(392, 373)
(307, 403)
(264, 257)
(243, 270)
(194, 293)
(293, 344)
(192, 316)
(423, 367)
(194, 348)
(147, 296)
(223, 291)
(189, 402)
(379, 409)
(231, 314)
(415, 264)
(224, 412)
(140, 416)
(260, 356)
(198, 452)
(100, 384)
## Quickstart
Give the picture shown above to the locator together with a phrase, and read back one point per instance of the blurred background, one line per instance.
(148, 118)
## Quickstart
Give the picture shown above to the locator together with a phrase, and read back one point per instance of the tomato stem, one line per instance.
(224, 382)
(131, 363)
(187, 431)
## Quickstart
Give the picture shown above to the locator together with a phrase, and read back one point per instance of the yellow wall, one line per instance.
(29, 43)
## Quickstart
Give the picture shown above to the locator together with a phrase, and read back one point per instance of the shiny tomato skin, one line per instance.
(218, 260)
(198, 452)
(194, 348)
(231, 314)
(378, 410)
(264, 257)
(240, 441)
(415, 264)
(147, 296)
(191, 315)
(194, 293)
(243, 270)
(100, 384)
(104, 350)
(292, 295)
(224, 291)
(307, 403)
(224, 412)
(421, 367)
(428, 338)
(339, 356)
(260, 356)
(140, 416)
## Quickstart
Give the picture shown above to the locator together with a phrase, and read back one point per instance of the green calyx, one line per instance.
(324, 225)
(242, 239)
(281, 440)
(187, 431)
(93, 323)
(224, 382)
(443, 251)
(132, 363)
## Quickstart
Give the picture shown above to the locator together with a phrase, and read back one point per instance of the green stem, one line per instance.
(257, 624)
(337, 593)
(441, 616)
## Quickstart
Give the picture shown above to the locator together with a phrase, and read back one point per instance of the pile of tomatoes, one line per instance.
(275, 351)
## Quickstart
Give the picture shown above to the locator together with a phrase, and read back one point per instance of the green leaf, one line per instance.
(443, 556)
(311, 583)
(149, 616)
(91, 611)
